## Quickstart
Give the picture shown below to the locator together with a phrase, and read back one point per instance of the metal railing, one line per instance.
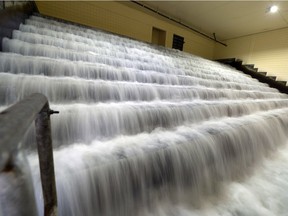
(14, 122)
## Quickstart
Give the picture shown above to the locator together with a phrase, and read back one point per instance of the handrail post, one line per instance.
(46, 161)
(14, 122)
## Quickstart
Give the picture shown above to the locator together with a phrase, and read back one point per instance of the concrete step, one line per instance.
(272, 77)
(282, 82)
(226, 61)
(263, 73)
(251, 67)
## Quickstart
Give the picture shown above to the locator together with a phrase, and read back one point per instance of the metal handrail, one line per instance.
(14, 122)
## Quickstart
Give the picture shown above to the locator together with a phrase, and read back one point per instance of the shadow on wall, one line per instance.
(12, 14)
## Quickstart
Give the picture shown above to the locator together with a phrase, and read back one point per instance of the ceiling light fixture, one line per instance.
(273, 9)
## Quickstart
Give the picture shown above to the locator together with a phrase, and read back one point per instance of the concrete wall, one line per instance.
(126, 18)
(268, 51)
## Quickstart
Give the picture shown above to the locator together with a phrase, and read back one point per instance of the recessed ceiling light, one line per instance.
(273, 9)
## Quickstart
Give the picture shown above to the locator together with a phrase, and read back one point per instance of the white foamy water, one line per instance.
(134, 172)
(17, 64)
(144, 130)
(264, 193)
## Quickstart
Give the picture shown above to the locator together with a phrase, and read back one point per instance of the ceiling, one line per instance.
(227, 19)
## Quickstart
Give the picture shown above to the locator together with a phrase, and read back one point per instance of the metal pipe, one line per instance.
(180, 23)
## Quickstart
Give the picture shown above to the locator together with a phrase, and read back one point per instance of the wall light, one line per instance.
(273, 9)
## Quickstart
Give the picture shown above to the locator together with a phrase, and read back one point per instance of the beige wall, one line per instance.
(268, 51)
(126, 18)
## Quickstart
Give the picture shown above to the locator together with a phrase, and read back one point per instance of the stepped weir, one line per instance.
(145, 130)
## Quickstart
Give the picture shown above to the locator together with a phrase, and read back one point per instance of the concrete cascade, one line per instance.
(144, 130)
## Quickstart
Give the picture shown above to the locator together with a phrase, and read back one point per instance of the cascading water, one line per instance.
(145, 130)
